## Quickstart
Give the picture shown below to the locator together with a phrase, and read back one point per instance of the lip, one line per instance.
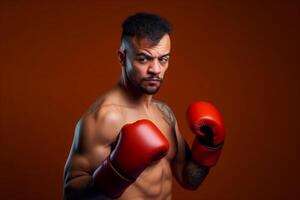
(152, 81)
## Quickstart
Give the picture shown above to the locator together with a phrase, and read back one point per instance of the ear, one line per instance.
(122, 57)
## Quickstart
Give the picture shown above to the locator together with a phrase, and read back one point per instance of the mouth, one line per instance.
(152, 81)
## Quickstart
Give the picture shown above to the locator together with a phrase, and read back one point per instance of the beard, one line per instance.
(149, 89)
(144, 85)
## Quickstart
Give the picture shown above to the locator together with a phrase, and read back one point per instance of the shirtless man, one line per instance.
(128, 145)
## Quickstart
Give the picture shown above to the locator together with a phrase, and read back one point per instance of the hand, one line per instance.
(207, 123)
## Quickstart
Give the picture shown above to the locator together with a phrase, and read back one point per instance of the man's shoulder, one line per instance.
(165, 110)
(105, 106)
(103, 112)
(162, 105)
(159, 102)
(98, 126)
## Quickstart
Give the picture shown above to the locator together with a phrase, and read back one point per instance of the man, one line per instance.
(128, 145)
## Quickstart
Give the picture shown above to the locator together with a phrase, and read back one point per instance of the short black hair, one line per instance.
(145, 25)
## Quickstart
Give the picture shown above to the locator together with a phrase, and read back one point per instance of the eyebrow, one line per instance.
(151, 57)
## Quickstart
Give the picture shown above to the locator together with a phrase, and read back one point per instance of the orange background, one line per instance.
(57, 58)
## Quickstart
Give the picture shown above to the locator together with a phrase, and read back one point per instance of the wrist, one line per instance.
(208, 142)
(206, 154)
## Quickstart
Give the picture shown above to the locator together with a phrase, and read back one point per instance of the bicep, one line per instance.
(78, 183)
(182, 149)
(77, 172)
(184, 169)
(92, 142)
(81, 165)
(183, 152)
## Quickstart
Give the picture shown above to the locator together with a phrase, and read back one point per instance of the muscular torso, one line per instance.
(155, 181)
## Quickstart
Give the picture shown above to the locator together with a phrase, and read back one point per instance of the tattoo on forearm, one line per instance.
(195, 175)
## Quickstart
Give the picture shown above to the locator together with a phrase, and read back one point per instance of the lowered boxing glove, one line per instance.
(139, 145)
(206, 122)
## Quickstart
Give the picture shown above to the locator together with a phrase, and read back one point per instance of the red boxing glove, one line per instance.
(138, 146)
(206, 122)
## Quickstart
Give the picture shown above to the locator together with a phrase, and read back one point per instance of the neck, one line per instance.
(133, 96)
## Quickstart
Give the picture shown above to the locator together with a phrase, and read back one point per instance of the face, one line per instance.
(145, 64)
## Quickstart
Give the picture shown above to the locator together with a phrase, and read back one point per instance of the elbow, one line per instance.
(72, 190)
(68, 192)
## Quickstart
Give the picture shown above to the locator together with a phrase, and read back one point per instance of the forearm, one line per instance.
(194, 174)
(187, 172)
(82, 188)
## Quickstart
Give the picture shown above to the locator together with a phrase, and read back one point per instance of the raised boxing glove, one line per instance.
(139, 145)
(206, 122)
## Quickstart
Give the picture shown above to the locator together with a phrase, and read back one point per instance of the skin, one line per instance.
(143, 68)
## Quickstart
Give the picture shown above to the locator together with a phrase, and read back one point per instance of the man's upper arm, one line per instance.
(182, 149)
(93, 137)
(187, 172)
(179, 161)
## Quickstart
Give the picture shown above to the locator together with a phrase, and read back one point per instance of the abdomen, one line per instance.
(155, 182)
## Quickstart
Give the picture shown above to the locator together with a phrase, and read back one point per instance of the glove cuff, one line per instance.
(109, 180)
(204, 155)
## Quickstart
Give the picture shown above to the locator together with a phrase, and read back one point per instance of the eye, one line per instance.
(142, 60)
(164, 59)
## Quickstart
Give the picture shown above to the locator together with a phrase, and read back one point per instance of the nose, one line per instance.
(155, 67)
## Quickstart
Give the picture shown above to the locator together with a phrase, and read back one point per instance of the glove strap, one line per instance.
(206, 155)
